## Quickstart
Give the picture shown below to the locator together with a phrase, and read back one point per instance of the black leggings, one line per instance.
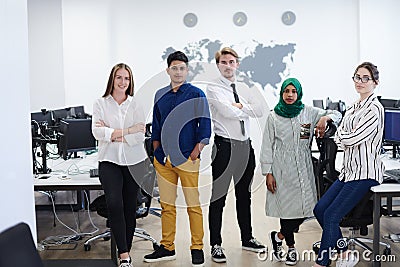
(121, 189)
(287, 229)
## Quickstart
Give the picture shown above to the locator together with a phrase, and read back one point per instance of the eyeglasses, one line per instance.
(363, 79)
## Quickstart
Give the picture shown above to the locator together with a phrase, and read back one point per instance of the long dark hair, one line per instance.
(110, 84)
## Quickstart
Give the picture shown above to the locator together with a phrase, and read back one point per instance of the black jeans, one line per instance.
(287, 229)
(231, 159)
(121, 189)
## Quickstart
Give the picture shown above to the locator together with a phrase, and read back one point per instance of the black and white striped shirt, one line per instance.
(360, 136)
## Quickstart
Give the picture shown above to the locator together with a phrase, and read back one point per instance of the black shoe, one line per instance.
(160, 254)
(125, 263)
(277, 250)
(217, 254)
(253, 245)
(197, 257)
(291, 257)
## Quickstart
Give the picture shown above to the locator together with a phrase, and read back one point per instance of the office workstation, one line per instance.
(66, 168)
(391, 185)
(64, 165)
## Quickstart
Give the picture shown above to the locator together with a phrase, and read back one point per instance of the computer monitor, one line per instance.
(388, 103)
(42, 116)
(41, 123)
(319, 103)
(77, 112)
(76, 135)
(392, 126)
(59, 114)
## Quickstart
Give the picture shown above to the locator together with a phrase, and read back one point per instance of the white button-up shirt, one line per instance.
(117, 116)
(226, 117)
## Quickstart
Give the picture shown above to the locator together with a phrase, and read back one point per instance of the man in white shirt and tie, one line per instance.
(232, 103)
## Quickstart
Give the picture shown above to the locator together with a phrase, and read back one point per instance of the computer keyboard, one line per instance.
(392, 176)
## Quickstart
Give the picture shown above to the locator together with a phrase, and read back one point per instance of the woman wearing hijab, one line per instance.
(286, 162)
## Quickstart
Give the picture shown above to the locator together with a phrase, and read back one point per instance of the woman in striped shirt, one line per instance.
(360, 137)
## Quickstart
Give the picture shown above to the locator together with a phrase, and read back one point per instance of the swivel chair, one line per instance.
(324, 167)
(358, 219)
(143, 202)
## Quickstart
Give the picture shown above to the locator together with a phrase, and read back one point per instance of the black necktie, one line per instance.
(235, 95)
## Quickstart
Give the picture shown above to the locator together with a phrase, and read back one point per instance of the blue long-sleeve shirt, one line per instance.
(180, 120)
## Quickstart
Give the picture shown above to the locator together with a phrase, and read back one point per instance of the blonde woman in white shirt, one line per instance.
(360, 137)
(119, 126)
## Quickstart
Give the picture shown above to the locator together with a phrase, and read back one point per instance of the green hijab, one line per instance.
(290, 111)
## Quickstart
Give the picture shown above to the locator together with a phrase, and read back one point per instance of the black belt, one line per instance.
(232, 141)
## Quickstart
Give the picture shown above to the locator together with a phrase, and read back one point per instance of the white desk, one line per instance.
(379, 192)
(60, 181)
(66, 182)
(69, 175)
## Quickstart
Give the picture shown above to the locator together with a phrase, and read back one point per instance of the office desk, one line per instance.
(387, 191)
(77, 182)
(72, 182)
(380, 191)
(59, 182)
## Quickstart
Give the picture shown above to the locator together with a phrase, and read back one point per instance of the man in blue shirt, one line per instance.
(181, 127)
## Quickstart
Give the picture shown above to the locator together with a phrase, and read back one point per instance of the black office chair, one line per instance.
(17, 247)
(143, 202)
(324, 167)
(358, 219)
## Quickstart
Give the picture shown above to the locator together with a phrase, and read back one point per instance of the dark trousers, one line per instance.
(288, 226)
(121, 191)
(231, 159)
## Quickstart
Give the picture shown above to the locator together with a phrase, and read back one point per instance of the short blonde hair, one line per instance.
(226, 51)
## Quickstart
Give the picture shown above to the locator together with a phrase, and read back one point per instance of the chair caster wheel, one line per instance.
(155, 246)
(87, 247)
(387, 251)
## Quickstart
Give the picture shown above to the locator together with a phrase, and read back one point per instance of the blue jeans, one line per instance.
(339, 200)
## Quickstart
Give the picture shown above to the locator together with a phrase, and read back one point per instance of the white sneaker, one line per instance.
(350, 260)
